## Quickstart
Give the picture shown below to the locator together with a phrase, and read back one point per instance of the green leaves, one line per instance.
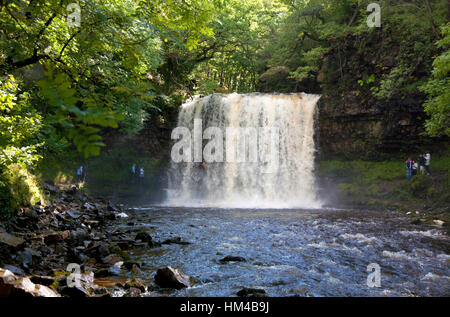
(79, 118)
(437, 88)
(19, 122)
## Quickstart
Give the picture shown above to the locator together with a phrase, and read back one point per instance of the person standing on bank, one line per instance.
(80, 174)
(422, 164)
(409, 165)
(427, 163)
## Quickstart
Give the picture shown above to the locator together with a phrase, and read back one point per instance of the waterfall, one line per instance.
(267, 163)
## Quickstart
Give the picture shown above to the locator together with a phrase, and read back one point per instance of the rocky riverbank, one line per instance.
(70, 248)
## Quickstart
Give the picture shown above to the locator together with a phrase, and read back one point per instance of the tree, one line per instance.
(437, 88)
(98, 74)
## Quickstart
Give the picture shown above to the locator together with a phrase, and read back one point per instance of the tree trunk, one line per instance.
(430, 17)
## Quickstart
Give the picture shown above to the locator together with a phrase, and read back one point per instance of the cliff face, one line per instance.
(355, 128)
(353, 123)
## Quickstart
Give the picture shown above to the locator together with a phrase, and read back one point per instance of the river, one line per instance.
(292, 252)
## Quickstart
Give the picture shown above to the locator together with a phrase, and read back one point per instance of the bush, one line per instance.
(422, 186)
(7, 205)
(18, 188)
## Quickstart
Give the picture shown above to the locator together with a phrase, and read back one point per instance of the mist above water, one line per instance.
(282, 181)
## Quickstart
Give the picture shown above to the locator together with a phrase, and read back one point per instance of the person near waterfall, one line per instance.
(141, 174)
(409, 166)
(80, 174)
(427, 163)
(422, 164)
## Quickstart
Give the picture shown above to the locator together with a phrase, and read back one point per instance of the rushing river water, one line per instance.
(294, 252)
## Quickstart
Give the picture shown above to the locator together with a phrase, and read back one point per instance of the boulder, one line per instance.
(251, 292)
(230, 258)
(143, 236)
(73, 214)
(112, 259)
(10, 240)
(55, 237)
(51, 188)
(14, 269)
(134, 283)
(438, 222)
(176, 240)
(43, 280)
(135, 270)
(134, 292)
(11, 286)
(169, 277)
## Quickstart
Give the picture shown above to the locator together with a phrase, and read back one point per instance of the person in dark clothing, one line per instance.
(409, 166)
(422, 164)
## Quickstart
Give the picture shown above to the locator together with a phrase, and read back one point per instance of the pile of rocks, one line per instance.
(40, 242)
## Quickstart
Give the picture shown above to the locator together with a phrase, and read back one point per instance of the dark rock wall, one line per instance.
(355, 128)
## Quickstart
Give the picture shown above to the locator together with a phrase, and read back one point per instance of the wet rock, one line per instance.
(135, 270)
(15, 270)
(251, 292)
(11, 286)
(76, 256)
(135, 283)
(73, 214)
(143, 236)
(112, 259)
(125, 244)
(6, 277)
(89, 207)
(79, 236)
(101, 292)
(169, 277)
(51, 188)
(176, 240)
(416, 221)
(230, 258)
(43, 280)
(439, 223)
(111, 208)
(129, 265)
(98, 250)
(72, 190)
(103, 250)
(104, 273)
(134, 292)
(26, 257)
(10, 240)
(74, 292)
(30, 213)
(55, 237)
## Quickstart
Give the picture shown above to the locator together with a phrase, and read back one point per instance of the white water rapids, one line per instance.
(249, 183)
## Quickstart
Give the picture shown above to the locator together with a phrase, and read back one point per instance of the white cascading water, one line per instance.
(247, 184)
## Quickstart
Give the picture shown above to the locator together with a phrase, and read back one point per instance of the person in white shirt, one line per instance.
(427, 163)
